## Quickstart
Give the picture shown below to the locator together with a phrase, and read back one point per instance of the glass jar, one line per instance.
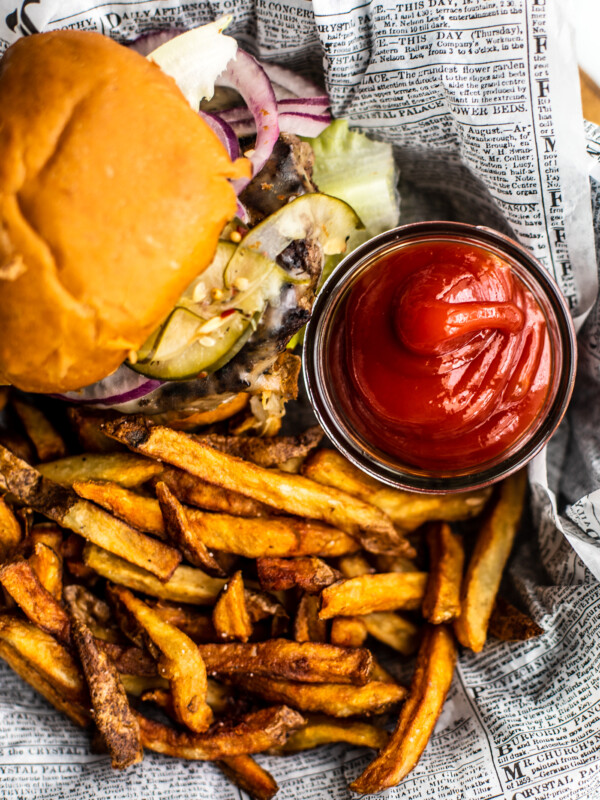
(334, 404)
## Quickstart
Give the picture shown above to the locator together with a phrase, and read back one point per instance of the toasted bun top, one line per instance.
(113, 193)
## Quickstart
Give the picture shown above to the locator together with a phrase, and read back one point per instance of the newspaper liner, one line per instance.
(481, 98)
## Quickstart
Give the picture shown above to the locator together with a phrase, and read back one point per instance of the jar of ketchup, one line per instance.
(440, 356)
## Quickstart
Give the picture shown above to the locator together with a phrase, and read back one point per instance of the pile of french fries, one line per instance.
(238, 597)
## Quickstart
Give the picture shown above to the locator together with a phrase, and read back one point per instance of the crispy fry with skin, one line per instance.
(249, 776)
(186, 584)
(310, 662)
(408, 510)
(180, 663)
(508, 624)
(127, 469)
(385, 591)
(46, 665)
(268, 536)
(230, 614)
(47, 565)
(394, 630)
(307, 625)
(179, 532)
(197, 625)
(271, 451)
(48, 533)
(138, 511)
(10, 532)
(252, 538)
(293, 494)
(446, 560)
(137, 685)
(348, 632)
(429, 687)
(92, 611)
(489, 557)
(256, 733)
(113, 716)
(333, 699)
(196, 492)
(309, 574)
(352, 566)
(129, 659)
(23, 585)
(47, 441)
(327, 730)
(261, 605)
(93, 523)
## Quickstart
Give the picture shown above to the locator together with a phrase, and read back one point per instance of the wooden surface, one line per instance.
(590, 96)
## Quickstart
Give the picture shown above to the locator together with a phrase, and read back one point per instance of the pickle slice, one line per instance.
(213, 318)
(317, 216)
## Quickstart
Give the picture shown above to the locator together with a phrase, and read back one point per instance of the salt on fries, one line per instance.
(262, 591)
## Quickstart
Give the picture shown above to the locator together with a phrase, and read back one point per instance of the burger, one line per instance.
(131, 275)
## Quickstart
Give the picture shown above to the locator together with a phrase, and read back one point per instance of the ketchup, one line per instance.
(442, 356)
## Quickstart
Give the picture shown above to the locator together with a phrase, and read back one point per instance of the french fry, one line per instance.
(327, 730)
(230, 617)
(408, 510)
(307, 625)
(196, 492)
(429, 687)
(256, 733)
(186, 584)
(92, 611)
(129, 659)
(10, 531)
(46, 665)
(197, 625)
(249, 776)
(47, 565)
(18, 445)
(261, 605)
(23, 585)
(268, 536)
(283, 452)
(127, 469)
(179, 532)
(348, 632)
(180, 662)
(446, 560)
(48, 533)
(309, 662)
(333, 699)
(137, 685)
(491, 552)
(394, 630)
(309, 574)
(356, 564)
(385, 591)
(291, 493)
(136, 510)
(508, 624)
(394, 564)
(93, 523)
(218, 697)
(45, 438)
(113, 716)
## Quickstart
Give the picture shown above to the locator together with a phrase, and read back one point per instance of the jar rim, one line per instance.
(384, 467)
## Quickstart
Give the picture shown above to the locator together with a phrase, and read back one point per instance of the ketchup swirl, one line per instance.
(443, 357)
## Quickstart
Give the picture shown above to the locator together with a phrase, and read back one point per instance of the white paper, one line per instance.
(481, 98)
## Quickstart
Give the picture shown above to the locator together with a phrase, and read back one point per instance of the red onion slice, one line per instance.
(298, 85)
(224, 131)
(148, 42)
(120, 387)
(245, 74)
(300, 105)
(300, 124)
